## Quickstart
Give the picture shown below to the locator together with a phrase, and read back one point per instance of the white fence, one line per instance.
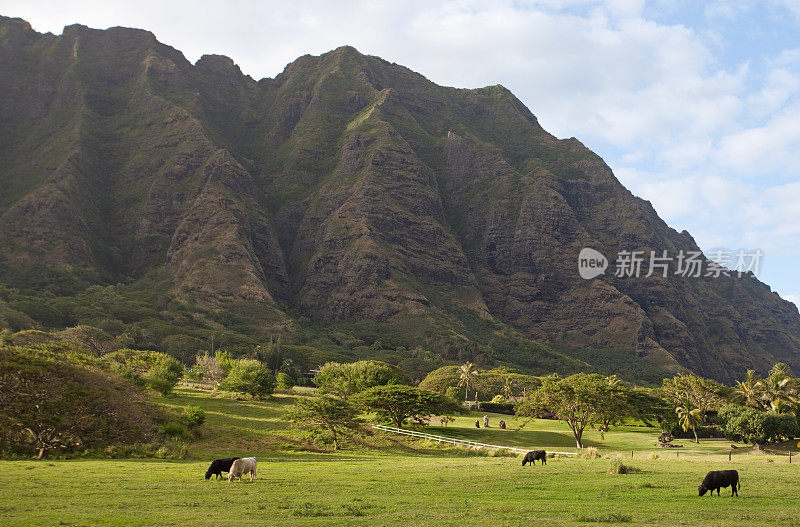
(454, 441)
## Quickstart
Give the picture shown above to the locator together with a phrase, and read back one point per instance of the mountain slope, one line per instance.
(347, 190)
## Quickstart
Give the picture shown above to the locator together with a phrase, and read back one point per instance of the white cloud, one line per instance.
(792, 298)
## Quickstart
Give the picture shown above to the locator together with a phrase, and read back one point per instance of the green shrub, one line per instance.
(344, 380)
(173, 430)
(498, 408)
(194, 417)
(164, 375)
(617, 467)
(284, 381)
(750, 425)
(590, 453)
(249, 376)
(455, 393)
(156, 370)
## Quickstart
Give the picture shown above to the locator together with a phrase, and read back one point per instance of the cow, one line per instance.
(716, 479)
(533, 455)
(241, 467)
(218, 466)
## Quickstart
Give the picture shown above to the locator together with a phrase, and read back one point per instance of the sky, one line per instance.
(694, 105)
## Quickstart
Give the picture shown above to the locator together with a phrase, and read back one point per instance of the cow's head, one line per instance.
(702, 490)
(208, 474)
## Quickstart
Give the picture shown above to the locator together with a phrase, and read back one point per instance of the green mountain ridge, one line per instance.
(348, 204)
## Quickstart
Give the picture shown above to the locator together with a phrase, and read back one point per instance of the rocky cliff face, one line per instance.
(347, 188)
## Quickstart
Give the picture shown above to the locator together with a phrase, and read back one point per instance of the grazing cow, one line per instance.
(533, 455)
(218, 466)
(241, 467)
(716, 479)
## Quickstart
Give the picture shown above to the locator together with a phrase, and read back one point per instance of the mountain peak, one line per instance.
(349, 191)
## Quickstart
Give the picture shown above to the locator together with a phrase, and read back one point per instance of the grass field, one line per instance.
(384, 481)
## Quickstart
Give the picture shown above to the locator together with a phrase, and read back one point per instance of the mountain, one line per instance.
(348, 204)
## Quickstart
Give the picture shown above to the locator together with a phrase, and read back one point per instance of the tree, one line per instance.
(154, 369)
(690, 419)
(209, 368)
(646, 406)
(692, 397)
(397, 403)
(779, 390)
(284, 381)
(324, 412)
(756, 426)
(467, 373)
(617, 405)
(194, 417)
(508, 388)
(579, 400)
(250, 377)
(164, 375)
(344, 380)
(749, 391)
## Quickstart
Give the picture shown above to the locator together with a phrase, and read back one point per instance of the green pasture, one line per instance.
(383, 480)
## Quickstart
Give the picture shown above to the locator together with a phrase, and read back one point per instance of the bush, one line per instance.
(498, 408)
(249, 376)
(344, 380)
(590, 453)
(398, 403)
(284, 381)
(617, 467)
(750, 425)
(454, 393)
(173, 430)
(156, 370)
(164, 375)
(194, 417)
(488, 383)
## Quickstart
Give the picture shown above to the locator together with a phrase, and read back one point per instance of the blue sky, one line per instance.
(694, 105)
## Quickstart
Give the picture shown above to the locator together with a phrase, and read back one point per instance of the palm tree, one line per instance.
(749, 390)
(778, 391)
(508, 388)
(690, 419)
(781, 370)
(468, 371)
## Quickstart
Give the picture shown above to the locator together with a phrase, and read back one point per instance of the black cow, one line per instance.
(533, 455)
(716, 479)
(218, 466)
